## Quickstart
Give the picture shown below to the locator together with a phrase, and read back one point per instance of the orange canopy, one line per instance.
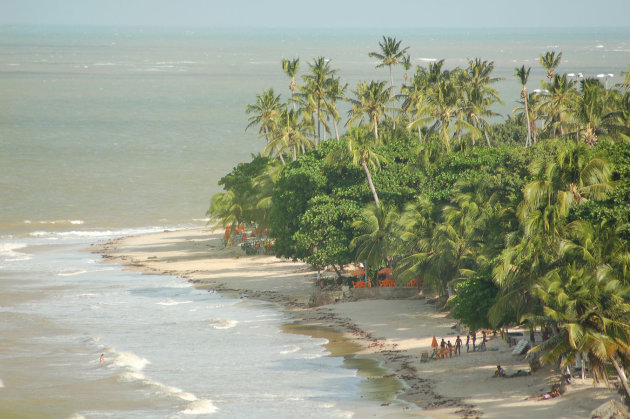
(385, 271)
(358, 272)
(434, 344)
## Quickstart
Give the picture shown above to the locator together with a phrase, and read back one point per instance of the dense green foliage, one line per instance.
(513, 221)
(475, 296)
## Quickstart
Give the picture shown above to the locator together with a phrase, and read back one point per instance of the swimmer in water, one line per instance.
(102, 358)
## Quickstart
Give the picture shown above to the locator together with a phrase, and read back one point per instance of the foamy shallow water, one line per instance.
(169, 349)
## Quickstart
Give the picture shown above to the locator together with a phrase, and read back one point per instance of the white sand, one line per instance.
(392, 331)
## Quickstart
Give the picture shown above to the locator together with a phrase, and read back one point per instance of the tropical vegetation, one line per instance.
(523, 220)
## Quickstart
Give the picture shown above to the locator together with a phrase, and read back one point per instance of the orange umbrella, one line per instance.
(358, 272)
(434, 344)
(385, 271)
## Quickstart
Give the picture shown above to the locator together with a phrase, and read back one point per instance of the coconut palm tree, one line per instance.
(557, 103)
(317, 85)
(290, 67)
(373, 244)
(591, 313)
(591, 112)
(390, 55)
(371, 101)
(415, 102)
(361, 151)
(479, 96)
(550, 61)
(406, 63)
(336, 92)
(288, 135)
(523, 76)
(264, 112)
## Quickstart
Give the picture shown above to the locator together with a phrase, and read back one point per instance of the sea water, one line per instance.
(169, 349)
(106, 132)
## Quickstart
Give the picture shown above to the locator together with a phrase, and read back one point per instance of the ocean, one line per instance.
(107, 132)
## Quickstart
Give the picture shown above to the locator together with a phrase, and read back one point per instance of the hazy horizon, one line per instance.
(286, 14)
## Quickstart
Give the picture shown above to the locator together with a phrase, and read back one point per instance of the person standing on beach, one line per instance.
(483, 340)
(450, 349)
(458, 346)
(467, 343)
(474, 339)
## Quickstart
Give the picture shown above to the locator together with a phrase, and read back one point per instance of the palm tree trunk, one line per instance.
(336, 129)
(419, 134)
(280, 155)
(485, 133)
(369, 178)
(391, 80)
(318, 123)
(375, 127)
(529, 128)
(622, 376)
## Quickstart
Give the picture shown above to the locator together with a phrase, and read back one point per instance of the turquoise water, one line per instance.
(109, 132)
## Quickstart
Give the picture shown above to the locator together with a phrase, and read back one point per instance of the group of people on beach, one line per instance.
(448, 349)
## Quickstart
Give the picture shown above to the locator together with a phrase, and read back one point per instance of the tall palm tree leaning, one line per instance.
(290, 67)
(390, 55)
(550, 61)
(523, 75)
(361, 149)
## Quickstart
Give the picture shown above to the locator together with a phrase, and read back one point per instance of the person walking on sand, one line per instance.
(458, 346)
(467, 343)
(450, 349)
(474, 339)
(483, 340)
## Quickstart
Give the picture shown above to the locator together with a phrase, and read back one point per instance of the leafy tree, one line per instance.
(390, 55)
(475, 296)
(325, 231)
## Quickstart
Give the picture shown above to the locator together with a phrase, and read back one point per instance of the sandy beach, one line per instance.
(393, 332)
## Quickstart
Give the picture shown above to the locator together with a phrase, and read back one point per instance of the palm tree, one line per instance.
(371, 101)
(373, 245)
(523, 75)
(591, 113)
(362, 151)
(415, 101)
(390, 55)
(479, 96)
(445, 101)
(336, 92)
(557, 103)
(592, 315)
(264, 113)
(288, 134)
(290, 67)
(317, 85)
(550, 61)
(406, 63)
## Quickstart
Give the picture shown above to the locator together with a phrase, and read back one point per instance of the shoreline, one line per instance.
(391, 332)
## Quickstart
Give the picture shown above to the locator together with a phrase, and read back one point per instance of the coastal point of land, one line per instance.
(394, 332)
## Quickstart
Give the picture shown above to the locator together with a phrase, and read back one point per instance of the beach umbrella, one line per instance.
(434, 344)
(358, 272)
(385, 271)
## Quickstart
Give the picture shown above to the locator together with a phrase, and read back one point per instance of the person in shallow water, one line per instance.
(102, 358)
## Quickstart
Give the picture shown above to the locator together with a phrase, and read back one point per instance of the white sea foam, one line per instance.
(427, 60)
(200, 407)
(1, 383)
(9, 254)
(600, 46)
(82, 271)
(293, 349)
(223, 323)
(170, 302)
(56, 222)
(130, 361)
